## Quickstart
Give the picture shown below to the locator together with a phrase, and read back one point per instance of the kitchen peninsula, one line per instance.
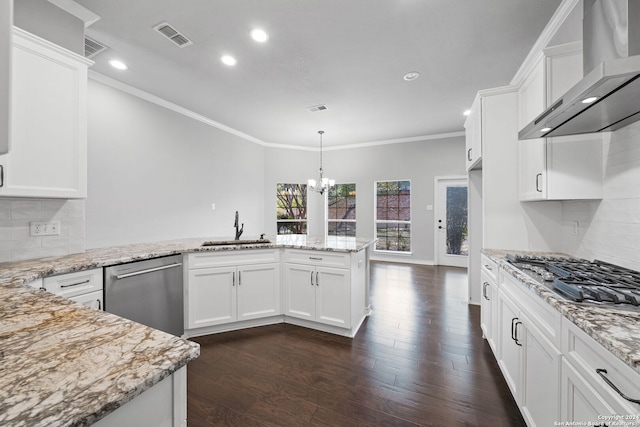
(63, 364)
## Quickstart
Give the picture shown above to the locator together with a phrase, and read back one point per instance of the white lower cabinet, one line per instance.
(528, 352)
(319, 294)
(84, 287)
(555, 371)
(489, 302)
(231, 293)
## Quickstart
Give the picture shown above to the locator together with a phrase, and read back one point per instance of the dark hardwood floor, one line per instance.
(419, 360)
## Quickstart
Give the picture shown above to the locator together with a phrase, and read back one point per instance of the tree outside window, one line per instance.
(341, 216)
(291, 208)
(393, 216)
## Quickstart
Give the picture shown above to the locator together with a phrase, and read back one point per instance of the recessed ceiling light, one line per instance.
(259, 35)
(589, 100)
(545, 130)
(118, 64)
(466, 112)
(228, 60)
(411, 76)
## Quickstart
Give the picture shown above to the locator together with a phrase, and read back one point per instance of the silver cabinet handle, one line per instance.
(1, 175)
(488, 267)
(315, 258)
(484, 290)
(538, 189)
(239, 278)
(602, 373)
(312, 278)
(469, 154)
(317, 280)
(233, 278)
(76, 284)
(150, 270)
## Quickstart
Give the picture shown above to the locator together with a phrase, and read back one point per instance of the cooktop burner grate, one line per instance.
(585, 281)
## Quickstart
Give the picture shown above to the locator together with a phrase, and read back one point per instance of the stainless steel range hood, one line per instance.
(611, 40)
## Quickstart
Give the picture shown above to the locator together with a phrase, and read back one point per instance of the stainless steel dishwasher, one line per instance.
(148, 292)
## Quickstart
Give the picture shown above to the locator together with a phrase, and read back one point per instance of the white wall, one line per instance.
(154, 173)
(609, 230)
(417, 161)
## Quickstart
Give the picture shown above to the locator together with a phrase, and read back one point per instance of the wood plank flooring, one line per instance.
(419, 360)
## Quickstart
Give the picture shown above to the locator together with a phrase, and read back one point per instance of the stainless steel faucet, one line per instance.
(238, 231)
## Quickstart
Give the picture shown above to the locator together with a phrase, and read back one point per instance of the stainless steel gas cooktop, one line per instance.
(583, 281)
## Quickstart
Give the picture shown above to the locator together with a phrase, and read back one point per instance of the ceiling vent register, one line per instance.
(92, 47)
(315, 108)
(172, 34)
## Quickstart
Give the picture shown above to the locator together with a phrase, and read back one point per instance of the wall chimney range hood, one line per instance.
(608, 97)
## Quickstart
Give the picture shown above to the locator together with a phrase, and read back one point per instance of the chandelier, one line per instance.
(324, 183)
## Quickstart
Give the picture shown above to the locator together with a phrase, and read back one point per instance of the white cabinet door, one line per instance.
(532, 160)
(92, 300)
(333, 302)
(540, 376)
(510, 347)
(258, 291)
(48, 145)
(579, 401)
(211, 295)
(488, 307)
(299, 291)
(473, 134)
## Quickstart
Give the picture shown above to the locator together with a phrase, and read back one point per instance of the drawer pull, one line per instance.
(602, 373)
(315, 258)
(488, 267)
(76, 284)
(312, 278)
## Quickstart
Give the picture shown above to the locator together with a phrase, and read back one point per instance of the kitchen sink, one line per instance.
(236, 242)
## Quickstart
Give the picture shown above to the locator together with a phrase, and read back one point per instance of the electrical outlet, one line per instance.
(49, 228)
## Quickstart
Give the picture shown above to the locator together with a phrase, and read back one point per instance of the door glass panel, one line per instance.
(457, 243)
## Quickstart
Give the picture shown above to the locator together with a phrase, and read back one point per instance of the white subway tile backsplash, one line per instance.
(612, 225)
(15, 215)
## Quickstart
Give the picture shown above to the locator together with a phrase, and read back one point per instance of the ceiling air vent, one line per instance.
(315, 108)
(172, 34)
(92, 47)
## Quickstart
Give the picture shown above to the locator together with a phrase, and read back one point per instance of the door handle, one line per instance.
(538, 189)
(515, 334)
(312, 278)
(317, 280)
(484, 291)
(469, 154)
(239, 278)
(233, 278)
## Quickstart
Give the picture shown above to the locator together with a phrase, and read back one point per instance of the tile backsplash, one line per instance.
(15, 215)
(609, 229)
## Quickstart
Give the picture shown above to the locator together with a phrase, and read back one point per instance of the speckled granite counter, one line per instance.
(63, 364)
(618, 330)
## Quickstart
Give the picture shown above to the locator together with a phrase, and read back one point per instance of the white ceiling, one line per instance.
(348, 54)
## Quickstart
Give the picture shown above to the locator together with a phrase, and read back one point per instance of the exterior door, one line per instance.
(452, 247)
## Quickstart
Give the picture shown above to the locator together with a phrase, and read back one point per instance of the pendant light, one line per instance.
(324, 183)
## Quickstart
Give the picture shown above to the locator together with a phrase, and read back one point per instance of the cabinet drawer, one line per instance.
(320, 258)
(73, 284)
(236, 257)
(489, 267)
(586, 355)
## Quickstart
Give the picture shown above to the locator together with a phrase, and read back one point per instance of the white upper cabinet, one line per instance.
(473, 135)
(6, 18)
(562, 168)
(48, 144)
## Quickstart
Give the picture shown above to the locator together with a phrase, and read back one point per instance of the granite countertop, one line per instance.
(64, 364)
(617, 329)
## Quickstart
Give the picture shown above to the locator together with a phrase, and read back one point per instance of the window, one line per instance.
(292, 208)
(342, 210)
(393, 216)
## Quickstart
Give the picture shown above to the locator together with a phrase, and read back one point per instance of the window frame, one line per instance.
(376, 221)
(334, 220)
(304, 220)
